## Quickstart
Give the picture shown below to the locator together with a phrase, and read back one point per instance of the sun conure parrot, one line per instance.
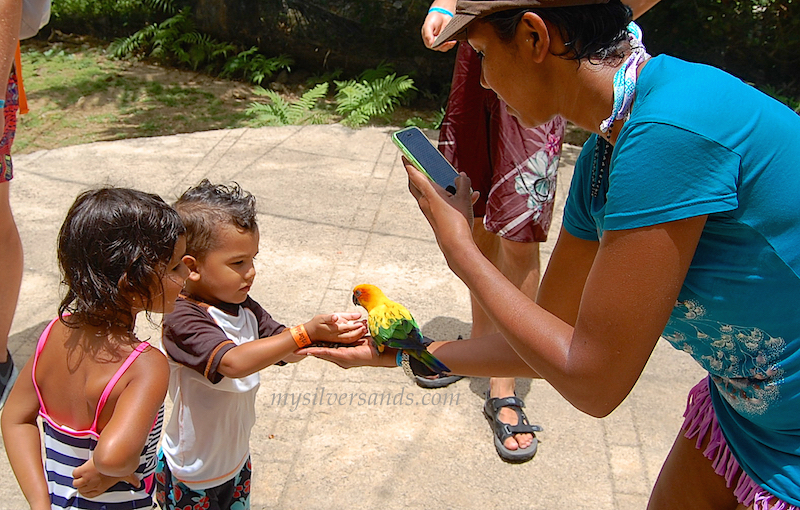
(392, 325)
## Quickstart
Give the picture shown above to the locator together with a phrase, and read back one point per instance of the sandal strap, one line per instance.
(504, 430)
(513, 401)
(519, 428)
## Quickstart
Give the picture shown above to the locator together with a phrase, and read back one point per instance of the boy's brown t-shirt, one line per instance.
(193, 339)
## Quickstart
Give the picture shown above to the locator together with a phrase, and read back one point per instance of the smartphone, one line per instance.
(427, 158)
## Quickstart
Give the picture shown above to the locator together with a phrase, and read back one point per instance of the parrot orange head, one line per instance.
(367, 296)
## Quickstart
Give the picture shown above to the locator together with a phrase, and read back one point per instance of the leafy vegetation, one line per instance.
(434, 123)
(281, 112)
(254, 67)
(174, 41)
(77, 95)
(756, 40)
(372, 95)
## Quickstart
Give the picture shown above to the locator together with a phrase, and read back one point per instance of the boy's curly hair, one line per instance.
(206, 206)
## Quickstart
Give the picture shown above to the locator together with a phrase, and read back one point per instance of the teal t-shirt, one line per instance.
(699, 141)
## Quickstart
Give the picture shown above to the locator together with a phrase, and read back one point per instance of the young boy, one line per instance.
(217, 340)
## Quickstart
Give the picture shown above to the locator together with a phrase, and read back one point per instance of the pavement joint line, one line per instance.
(642, 458)
(361, 211)
(263, 154)
(55, 179)
(202, 162)
(609, 465)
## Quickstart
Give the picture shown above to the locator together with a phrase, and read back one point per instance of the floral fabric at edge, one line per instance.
(174, 495)
(512, 167)
(9, 127)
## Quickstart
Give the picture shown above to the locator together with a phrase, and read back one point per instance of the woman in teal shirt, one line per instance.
(682, 220)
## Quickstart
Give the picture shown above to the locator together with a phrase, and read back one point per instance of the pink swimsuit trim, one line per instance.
(92, 431)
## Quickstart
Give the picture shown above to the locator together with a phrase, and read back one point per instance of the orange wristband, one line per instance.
(300, 336)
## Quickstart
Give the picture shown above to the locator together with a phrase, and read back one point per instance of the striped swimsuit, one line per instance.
(66, 449)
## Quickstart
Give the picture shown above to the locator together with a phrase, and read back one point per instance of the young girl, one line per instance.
(99, 389)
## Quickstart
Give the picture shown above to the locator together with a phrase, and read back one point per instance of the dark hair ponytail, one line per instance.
(590, 32)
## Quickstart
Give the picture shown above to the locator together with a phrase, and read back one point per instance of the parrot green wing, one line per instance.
(392, 325)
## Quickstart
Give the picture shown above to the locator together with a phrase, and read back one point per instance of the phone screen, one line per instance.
(427, 158)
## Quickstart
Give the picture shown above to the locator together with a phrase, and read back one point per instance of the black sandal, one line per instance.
(503, 431)
(436, 381)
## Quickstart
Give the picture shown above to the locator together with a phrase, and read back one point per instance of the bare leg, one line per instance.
(687, 480)
(519, 262)
(11, 262)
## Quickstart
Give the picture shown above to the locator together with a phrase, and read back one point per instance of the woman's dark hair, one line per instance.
(115, 244)
(206, 206)
(593, 32)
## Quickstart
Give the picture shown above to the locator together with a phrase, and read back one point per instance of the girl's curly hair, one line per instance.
(113, 248)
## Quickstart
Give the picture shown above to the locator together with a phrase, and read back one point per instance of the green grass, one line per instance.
(77, 95)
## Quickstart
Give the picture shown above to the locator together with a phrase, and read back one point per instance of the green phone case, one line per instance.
(408, 155)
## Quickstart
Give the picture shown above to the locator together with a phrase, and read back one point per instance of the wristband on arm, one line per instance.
(440, 10)
(300, 336)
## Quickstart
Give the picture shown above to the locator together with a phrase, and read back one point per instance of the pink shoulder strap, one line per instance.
(106, 391)
(39, 347)
(111, 383)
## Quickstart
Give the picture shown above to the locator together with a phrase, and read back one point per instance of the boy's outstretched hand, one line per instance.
(340, 328)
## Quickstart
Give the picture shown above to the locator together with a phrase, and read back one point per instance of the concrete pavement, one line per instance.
(334, 211)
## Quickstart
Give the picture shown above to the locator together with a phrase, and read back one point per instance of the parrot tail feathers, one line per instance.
(430, 361)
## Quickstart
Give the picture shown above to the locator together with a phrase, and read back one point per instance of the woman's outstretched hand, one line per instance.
(359, 354)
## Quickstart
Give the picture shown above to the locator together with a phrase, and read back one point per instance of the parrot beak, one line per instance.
(355, 299)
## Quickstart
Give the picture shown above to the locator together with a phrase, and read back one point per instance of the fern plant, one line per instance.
(323, 78)
(174, 39)
(254, 66)
(280, 112)
(165, 6)
(384, 69)
(134, 45)
(360, 101)
(434, 123)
